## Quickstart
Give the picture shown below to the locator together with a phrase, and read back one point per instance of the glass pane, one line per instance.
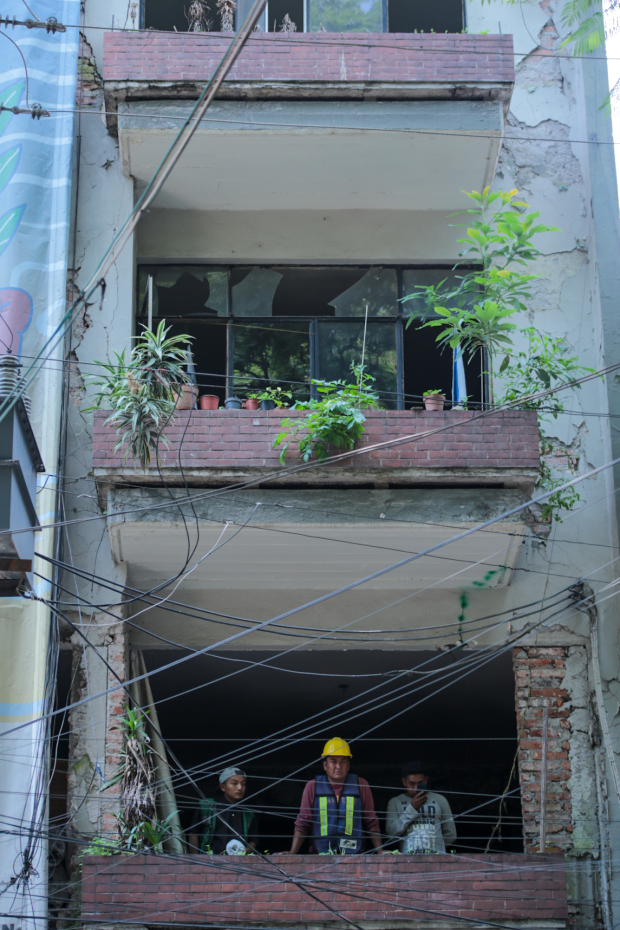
(184, 291)
(423, 277)
(271, 352)
(345, 15)
(340, 345)
(253, 290)
(377, 291)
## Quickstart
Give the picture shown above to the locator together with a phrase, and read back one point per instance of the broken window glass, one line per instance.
(184, 291)
(341, 344)
(253, 290)
(414, 302)
(345, 15)
(271, 352)
(376, 292)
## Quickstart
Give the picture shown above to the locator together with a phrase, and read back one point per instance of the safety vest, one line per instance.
(337, 825)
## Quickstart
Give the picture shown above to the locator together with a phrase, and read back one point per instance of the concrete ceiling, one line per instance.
(264, 558)
(390, 156)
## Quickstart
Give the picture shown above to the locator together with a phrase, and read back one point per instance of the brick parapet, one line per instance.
(243, 439)
(540, 673)
(311, 57)
(195, 890)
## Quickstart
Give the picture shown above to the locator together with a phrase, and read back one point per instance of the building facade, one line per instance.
(319, 191)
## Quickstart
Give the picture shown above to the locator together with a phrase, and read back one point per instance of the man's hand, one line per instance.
(419, 799)
(296, 845)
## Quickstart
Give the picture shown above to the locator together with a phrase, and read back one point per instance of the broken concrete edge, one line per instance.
(117, 92)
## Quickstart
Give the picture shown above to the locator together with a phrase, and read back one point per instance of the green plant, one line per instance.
(474, 313)
(335, 418)
(141, 391)
(279, 397)
(540, 365)
(432, 393)
(99, 846)
(137, 822)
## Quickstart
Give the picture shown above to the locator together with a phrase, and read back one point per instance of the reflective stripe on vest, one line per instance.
(348, 826)
(323, 815)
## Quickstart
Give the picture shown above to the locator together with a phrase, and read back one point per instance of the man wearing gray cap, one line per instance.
(219, 823)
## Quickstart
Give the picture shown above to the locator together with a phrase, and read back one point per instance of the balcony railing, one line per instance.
(455, 446)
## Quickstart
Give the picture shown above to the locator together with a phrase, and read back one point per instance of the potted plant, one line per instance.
(270, 398)
(209, 402)
(142, 391)
(434, 400)
(186, 396)
(252, 402)
(334, 419)
(233, 403)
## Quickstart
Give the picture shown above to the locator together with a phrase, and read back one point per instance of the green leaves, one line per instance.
(334, 419)
(485, 326)
(142, 391)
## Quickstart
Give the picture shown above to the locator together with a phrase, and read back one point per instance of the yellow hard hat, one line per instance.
(336, 747)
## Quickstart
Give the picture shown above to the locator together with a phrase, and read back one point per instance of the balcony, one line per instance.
(310, 524)
(376, 891)
(392, 122)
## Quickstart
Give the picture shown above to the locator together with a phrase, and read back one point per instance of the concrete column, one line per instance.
(96, 736)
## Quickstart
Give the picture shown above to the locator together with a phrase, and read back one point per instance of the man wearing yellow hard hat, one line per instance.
(337, 808)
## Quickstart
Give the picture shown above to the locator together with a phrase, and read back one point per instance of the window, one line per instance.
(315, 15)
(286, 325)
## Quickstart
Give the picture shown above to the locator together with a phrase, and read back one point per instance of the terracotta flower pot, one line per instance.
(186, 398)
(434, 401)
(252, 403)
(209, 402)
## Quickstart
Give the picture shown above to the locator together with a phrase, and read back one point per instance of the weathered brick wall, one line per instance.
(243, 438)
(196, 890)
(540, 673)
(96, 738)
(169, 56)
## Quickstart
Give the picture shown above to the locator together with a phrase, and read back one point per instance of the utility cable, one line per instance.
(97, 278)
(355, 584)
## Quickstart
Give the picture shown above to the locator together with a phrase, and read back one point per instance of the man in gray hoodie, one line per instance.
(419, 819)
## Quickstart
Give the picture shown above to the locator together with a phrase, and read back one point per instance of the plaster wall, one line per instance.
(546, 154)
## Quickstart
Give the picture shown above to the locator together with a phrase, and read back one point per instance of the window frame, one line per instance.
(264, 20)
(397, 320)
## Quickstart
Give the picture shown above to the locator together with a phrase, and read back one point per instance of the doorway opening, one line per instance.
(273, 722)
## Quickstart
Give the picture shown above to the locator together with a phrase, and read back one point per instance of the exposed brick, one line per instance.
(488, 887)
(232, 438)
(311, 57)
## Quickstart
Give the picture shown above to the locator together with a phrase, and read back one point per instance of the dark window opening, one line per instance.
(172, 16)
(278, 9)
(425, 16)
(467, 741)
(254, 326)
(316, 15)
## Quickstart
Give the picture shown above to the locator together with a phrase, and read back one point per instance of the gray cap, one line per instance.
(229, 772)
